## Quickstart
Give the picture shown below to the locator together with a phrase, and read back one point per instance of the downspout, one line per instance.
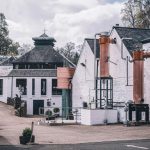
(95, 70)
(122, 57)
(12, 87)
(127, 72)
(95, 60)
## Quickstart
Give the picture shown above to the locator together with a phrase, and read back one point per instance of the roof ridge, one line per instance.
(131, 28)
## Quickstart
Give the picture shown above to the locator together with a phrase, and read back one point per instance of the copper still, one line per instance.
(138, 75)
(104, 41)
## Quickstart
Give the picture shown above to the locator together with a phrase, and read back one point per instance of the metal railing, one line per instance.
(61, 115)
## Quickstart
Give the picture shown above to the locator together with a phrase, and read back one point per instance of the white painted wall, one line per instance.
(10, 90)
(122, 92)
(57, 99)
(83, 80)
(147, 76)
(98, 116)
(147, 81)
(4, 71)
(6, 89)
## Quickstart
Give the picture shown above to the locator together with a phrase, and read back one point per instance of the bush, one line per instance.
(56, 110)
(48, 113)
(26, 136)
(27, 132)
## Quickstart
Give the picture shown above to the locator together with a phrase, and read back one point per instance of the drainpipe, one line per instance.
(122, 57)
(12, 87)
(95, 70)
(95, 60)
(127, 72)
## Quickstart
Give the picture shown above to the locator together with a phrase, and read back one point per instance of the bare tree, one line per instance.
(136, 13)
(71, 51)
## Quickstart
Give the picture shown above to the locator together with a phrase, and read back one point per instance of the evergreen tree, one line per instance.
(7, 46)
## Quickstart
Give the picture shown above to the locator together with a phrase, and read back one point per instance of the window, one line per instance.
(1, 86)
(55, 91)
(22, 86)
(43, 86)
(33, 86)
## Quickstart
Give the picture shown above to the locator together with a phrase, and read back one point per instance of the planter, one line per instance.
(26, 139)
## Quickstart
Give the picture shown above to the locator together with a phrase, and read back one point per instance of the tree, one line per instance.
(13, 48)
(24, 48)
(71, 51)
(136, 13)
(7, 46)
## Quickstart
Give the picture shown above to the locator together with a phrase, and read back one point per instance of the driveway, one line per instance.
(11, 127)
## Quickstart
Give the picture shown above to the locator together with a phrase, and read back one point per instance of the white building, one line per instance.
(120, 62)
(33, 76)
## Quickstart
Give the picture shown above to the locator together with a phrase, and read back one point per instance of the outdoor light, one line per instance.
(49, 102)
(83, 64)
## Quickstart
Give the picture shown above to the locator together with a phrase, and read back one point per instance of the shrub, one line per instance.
(56, 110)
(49, 113)
(27, 132)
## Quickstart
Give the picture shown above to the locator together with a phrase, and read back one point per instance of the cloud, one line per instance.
(86, 23)
(66, 20)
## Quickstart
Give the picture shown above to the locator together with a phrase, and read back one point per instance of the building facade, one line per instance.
(33, 76)
(120, 65)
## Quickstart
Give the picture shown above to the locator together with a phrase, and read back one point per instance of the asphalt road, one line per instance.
(117, 145)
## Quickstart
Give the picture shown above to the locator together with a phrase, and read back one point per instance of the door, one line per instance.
(36, 105)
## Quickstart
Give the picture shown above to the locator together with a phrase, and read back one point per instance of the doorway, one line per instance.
(36, 105)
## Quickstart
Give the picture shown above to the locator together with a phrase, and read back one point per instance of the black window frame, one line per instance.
(33, 86)
(55, 91)
(25, 87)
(42, 87)
(1, 86)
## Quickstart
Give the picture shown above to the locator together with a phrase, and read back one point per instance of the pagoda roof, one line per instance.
(44, 39)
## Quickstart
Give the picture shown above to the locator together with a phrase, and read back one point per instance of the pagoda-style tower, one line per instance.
(44, 39)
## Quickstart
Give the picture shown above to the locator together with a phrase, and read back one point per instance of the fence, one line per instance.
(61, 115)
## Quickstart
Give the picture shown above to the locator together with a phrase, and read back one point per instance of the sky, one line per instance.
(65, 20)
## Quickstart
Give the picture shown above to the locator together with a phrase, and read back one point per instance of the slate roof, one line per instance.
(91, 44)
(41, 54)
(137, 35)
(33, 73)
(8, 62)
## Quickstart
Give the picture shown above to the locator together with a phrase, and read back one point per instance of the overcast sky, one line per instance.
(65, 20)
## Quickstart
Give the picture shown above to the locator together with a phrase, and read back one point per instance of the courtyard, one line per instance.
(11, 128)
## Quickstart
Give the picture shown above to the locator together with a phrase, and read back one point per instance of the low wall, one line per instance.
(98, 116)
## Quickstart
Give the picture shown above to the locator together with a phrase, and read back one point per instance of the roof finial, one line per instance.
(45, 31)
